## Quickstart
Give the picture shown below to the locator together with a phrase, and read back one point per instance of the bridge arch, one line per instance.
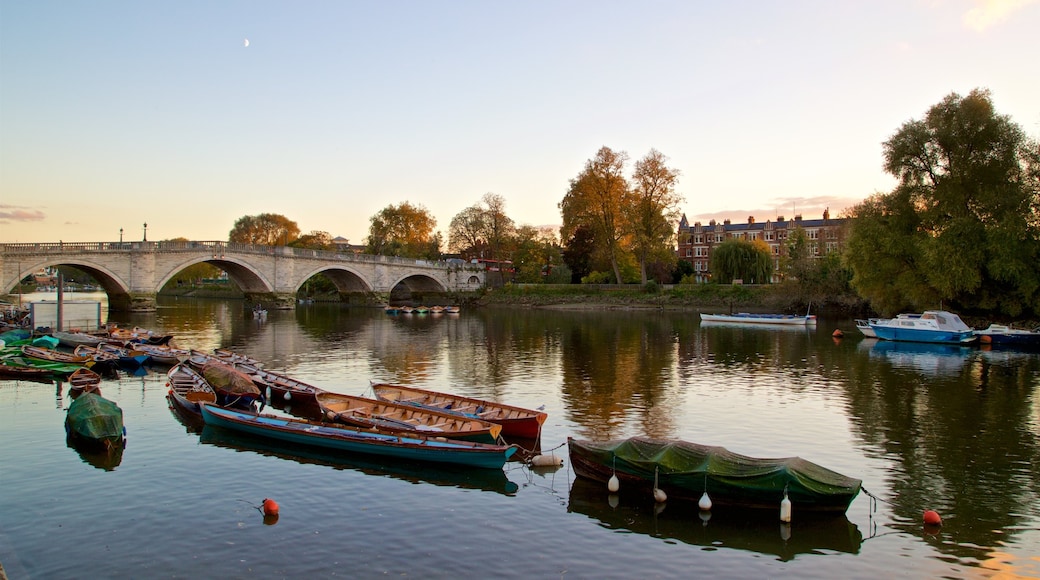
(248, 278)
(419, 283)
(347, 280)
(118, 290)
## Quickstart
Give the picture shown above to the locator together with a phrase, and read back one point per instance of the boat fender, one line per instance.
(546, 461)
(613, 484)
(785, 509)
(268, 393)
(659, 495)
(705, 502)
(288, 396)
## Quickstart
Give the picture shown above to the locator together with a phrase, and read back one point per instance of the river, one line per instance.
(951, 429)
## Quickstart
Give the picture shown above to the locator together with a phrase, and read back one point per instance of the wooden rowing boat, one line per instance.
(387, 415)
(84, 380)
(95, 421)
(163, 354)
(515, 421)
(74, 339)
(49, 355)
(188, 389)
(356, 440)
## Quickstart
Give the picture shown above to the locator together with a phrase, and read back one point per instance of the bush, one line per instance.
(652, 287)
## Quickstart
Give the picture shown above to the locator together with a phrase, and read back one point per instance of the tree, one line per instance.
(405, 230)
(578, 253)
(599, 198)
(536, 253)
(196, 272)
(964, 220)
(266, 229)
(749, 261)
(656, 209)
(483, 230)
(316, 240)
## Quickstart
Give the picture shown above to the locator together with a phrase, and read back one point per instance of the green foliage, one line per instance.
(741, 259)
(578, 253)
(682, 271)
(652, 287)
(598, 198)
(655, 209)
(404, 230)
(962, 228)
(598, 278)
(559, 274)
(267, 229)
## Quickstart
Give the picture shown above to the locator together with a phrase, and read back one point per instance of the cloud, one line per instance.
(988, 13)
(14, 213)
(788, 207)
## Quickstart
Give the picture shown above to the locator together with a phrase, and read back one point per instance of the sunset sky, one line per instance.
(188, 115)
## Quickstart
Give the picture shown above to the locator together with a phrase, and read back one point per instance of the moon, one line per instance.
(245, 43)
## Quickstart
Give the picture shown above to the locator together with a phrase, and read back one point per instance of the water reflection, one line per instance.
(925, 358)
(754, 531)
(105, 458)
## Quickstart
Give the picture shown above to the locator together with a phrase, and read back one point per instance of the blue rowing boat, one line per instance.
(433, 449)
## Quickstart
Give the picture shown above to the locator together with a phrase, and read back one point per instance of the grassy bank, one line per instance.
(706, 297)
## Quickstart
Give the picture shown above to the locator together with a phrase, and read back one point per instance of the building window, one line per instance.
(698, 239)
(689, 252)
(812, 234)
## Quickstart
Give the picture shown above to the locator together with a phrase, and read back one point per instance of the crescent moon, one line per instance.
(245, 43)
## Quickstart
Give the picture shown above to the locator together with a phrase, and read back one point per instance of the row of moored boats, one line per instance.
(942, 327)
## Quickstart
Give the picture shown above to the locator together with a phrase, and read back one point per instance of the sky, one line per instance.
(188, 115)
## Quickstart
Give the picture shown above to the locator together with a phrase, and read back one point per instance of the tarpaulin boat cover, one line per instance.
(228, 380)
(92, 416)
(738, 479)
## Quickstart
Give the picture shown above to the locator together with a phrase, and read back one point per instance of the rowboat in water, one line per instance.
(515, 421)
(94, 420)
(163, 354)
(384, 415)
(129, 357)
(188, 389)
(749, 318)
(50, 355)
(74, 339)
(356, 440)
(688, 470)
(84, 380)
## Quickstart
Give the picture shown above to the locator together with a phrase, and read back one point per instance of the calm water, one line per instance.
(950, 429)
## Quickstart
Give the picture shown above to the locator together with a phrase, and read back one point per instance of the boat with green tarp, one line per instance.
(688, 470)
(93, 419)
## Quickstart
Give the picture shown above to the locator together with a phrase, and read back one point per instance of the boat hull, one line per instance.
(774, 319)
(515, 421)
(359, 441)
(923, 335)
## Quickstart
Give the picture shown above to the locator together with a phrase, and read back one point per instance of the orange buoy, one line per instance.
(837, 333)
(270, 507)
(931, 518)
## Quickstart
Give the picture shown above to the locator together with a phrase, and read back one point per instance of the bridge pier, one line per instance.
(140, 301)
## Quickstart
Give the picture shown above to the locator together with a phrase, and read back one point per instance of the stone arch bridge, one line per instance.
(132, 273)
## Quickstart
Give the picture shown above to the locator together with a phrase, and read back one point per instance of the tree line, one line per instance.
(960, 230)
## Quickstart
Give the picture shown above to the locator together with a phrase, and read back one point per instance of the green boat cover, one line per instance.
(94, 417)
(229, 380)
(45, 342)
(687, 470)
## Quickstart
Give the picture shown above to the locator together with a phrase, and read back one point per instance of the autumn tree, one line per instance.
(655, 209)
(745, 260)
(535, 254)
(316, 240)
(404, 230)
(599, 198)
(962, 227)
(483, 230)
(266, 229)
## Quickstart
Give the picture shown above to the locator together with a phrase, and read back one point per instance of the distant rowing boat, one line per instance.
(748, 318)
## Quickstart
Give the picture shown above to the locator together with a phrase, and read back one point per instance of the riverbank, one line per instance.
(699, 297)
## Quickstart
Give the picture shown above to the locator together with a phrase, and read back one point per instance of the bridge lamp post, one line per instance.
(120, 237)
(145, 239)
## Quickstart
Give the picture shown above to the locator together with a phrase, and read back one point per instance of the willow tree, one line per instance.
(749, 261)
(656, 208)
(266, 229)
(404, 230)
(599, 198)
(964, 219)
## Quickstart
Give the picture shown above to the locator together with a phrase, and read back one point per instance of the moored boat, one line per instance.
(163, 354)
(188, 389)
(385, 415)
(74, 339)
(84, 380)
(688, 470)
(94, 420)
(49, 355)
(864, 327)
(233, 387)
(129, 357)
(1005, 336)
(936, 326)
(749, 318)
(356, 440)
(515, 421)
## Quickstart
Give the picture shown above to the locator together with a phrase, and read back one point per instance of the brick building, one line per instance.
(695, 243)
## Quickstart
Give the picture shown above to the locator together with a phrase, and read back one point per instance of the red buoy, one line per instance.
(931, 518)
(837, 333)
(270, 507)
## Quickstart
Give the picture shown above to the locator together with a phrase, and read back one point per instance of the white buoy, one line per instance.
(785, 509)
(705, 502)
(613, 484)
(660, 496)
(288, 396)
(546, 461)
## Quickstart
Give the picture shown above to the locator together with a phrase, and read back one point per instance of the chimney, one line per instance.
(750, 219)
(779, 218)
(711, 223)
(827, 214)
(798, 217)
(725, 222)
